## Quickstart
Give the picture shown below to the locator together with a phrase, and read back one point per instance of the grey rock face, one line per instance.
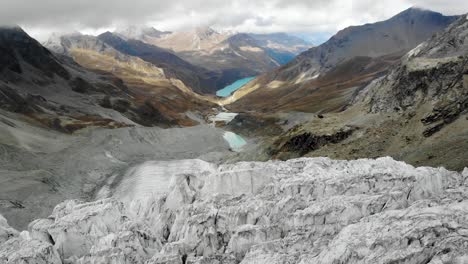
(428, 72)
(433, 73)
(18, 48)
(298, 211)
(6, 232)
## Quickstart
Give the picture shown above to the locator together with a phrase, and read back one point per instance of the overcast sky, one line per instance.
(315, 19)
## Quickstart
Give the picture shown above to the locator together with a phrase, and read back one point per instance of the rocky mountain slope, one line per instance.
(232, 55)
(202, 47)
(416, 113)
(206, 39)
(298, 211)
(432, 72)
(348, 61)
(201, 38)
(143, 33)
(281, 46)
(220, 58)
(149, 79)
(400, 33)
(52, 91)
(239, 51)
(197, 78)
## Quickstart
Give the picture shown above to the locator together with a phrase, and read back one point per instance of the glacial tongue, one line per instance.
(298, 211)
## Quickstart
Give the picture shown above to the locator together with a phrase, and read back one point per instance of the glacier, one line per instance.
(307, 210)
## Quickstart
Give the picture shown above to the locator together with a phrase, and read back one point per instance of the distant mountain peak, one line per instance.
(11, 27)
(417, 12)
(55, 36)
(18, 48)
(139, 32)
(416, 9)
(242, 38)
(205, 32)
(15, 35)
(105, 34)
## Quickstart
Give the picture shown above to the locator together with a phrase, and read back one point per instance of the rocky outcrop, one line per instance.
(434, 73)
(6, 232)
(407, 88)
(307, 142)
(299, 211)
(251, 125)
(18, 48)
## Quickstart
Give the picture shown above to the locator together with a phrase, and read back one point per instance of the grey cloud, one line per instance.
(89, 13)
(304, 3)
(242, 15)
(261, 22)
(448, 7)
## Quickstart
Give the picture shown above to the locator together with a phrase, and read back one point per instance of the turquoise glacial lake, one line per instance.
(235, 141)
(228, 90)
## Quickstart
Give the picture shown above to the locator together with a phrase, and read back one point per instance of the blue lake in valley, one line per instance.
(228, 90)
(235, 141)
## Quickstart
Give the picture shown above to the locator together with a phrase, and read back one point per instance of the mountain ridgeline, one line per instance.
(227, 56)
(349, 60)
(398, 34)
(197, 78)
(203, 59)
